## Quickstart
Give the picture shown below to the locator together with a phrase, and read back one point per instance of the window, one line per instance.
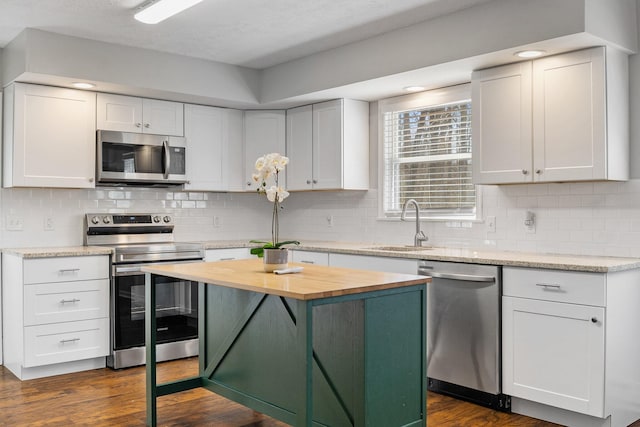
(426, 153)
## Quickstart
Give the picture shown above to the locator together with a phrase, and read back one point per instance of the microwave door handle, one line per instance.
(167, 158)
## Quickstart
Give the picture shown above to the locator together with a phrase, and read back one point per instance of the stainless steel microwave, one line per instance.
(125, 158)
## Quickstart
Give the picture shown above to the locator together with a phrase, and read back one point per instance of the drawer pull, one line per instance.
(71, 340)
(307, 262)
(227, 259)
(69, 301)
(68, 270)
(594, 320)
(549, 286)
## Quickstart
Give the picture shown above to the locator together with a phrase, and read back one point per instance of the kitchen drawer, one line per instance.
(554, 285)
(227, 254)
(65, 342)
(317, 258)
(65, 269)
(65, 301)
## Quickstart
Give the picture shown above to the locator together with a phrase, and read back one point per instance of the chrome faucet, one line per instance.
(419, 237)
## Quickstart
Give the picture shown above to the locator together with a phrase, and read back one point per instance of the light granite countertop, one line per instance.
(58, 251)
(596, 264)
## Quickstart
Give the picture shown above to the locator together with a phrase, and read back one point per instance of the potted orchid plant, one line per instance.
(267, 175)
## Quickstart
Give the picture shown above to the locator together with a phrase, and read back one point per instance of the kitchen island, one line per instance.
(327, 346)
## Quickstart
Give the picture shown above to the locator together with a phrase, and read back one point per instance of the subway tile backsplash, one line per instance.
(575, 218)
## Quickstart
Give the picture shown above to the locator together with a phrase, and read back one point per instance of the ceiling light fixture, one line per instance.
(159, 10)
(413, 88)
(83, 85)
(529, 53)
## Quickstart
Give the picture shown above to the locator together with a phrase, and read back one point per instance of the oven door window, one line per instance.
(176, 310)
(132, 158)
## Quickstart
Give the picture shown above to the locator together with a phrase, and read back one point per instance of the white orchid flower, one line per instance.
(282, 194)
(272, 193)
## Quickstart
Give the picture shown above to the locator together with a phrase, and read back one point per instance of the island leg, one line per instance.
(304, 338)
(150, 339)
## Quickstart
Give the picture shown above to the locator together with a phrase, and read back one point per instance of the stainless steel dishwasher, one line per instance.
(463, 332)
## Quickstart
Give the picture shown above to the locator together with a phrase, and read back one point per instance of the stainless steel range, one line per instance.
(137, 240)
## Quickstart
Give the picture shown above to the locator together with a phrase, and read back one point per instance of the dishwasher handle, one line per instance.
(455, 276)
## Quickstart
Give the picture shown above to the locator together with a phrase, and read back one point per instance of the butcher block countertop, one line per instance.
(313, 282)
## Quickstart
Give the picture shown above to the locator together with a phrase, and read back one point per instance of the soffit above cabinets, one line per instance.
(432, 53)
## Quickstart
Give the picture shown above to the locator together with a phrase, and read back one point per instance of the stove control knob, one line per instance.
(156, 219)
(95, 220)
(167, 218)
(106, 219)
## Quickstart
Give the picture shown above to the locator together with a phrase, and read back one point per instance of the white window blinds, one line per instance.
(427, 154)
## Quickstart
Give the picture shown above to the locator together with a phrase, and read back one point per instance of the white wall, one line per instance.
(242, 216)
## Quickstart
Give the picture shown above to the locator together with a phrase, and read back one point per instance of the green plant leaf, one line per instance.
(259, 252)
(288, 242)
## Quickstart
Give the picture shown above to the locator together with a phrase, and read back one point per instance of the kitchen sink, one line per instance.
(401, 248)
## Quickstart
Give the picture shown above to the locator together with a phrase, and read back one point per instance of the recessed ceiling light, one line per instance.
(413, 88)
(158, 10)
(83, 85)
(529, 53)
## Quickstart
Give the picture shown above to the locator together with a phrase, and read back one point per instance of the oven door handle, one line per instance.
(124, 271)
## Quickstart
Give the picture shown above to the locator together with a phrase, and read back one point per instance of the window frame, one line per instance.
(426, 99)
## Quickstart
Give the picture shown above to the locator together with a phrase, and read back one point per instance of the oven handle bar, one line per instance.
(131, 270)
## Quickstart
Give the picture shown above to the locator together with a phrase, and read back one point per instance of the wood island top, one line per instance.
(314, 282)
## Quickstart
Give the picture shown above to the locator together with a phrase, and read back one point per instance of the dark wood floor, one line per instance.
(117, 398)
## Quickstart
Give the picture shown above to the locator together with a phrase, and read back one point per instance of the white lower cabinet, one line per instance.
(374, 263)
(568, 345)
(227, 254)
(63, 342)
(554, 353)
(56, 313)
(308, 257)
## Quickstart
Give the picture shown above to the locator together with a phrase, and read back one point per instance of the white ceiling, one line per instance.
(252, 33)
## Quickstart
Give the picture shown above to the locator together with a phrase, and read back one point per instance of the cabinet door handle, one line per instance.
(146, 125)
(68, 270)
(138, 125)
(90, 179)
(248, 183)
(548, 286)
(594, 320)
(525, 172)
(69, 340)
(307, 262)
(308, 181)
(69, 301)
(539, 171)
(315, 181)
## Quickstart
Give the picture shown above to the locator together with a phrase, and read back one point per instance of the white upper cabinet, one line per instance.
(328, 146)
(141, 115)
(560, 118)
(501, 124)
(214, 146)
(49, 137)
(264, 133)
(299, 148)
